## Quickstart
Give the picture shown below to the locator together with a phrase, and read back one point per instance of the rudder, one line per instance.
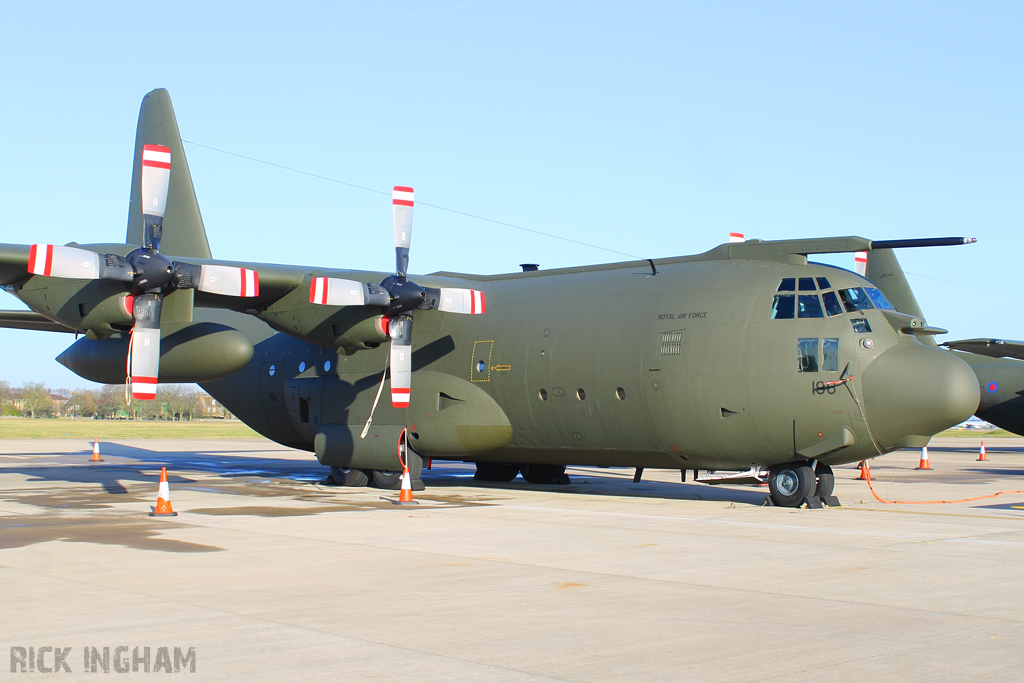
(184, 233)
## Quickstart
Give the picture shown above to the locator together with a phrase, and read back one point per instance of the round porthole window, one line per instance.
(620, 394)
(271, 370)
(543, 393)
(302, 366)
(327, 366)
(580, 394)
(480, 366)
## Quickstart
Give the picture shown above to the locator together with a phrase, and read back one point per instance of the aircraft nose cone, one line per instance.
(917, 390)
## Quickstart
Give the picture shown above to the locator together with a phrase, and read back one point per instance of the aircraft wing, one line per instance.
(28, 320)
(13, 263)
(995, 348)
(275, 280)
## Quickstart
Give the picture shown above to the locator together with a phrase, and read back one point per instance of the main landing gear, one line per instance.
(382, 479)
(793, 484)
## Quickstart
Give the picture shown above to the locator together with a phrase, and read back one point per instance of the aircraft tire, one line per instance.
(387, 479)
(544, 474)
(344, 476)
(826, 480)
(791, 482)
(495, 471)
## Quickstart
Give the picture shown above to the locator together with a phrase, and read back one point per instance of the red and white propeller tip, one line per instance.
(401, 211)
(736, 237)
(466, 301)
(331, 291)
(860, 263)
(69, 262)
(229, 281)
(400, 330)
(156, 176)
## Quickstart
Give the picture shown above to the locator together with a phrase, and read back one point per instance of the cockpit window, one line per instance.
(830, 355)
(783, 306)
(807, 284)
(879, 299)
(788, 284)
(860, 325)
(823, 283)
(807, 355)
(832, 305)
(854, 299)
(809, 306)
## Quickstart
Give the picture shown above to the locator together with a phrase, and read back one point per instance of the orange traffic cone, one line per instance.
(982, 457)
(163, 498)
(923, 465)
(405, 495)
(865, 471)
(95, 451)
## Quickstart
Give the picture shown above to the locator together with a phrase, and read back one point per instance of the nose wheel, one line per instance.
(826, 481)
(789, 483)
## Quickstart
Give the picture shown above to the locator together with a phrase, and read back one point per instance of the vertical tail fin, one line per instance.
(883, 268)
(183, 230)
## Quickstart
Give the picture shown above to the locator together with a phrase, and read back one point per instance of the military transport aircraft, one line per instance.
(996, 362)
(744, 356)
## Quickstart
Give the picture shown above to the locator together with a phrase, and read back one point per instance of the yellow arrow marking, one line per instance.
(501, 368)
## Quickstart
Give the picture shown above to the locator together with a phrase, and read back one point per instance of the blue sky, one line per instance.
(652, 129)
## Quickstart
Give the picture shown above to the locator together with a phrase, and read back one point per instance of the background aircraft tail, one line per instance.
(183, 230)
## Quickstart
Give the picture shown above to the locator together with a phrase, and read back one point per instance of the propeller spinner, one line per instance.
(150, 274)
(398, 296)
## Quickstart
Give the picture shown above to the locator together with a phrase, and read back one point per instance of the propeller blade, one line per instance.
(156, 175)
(466, 301)
(860, 263)
(224, 280)
(330, 291)
(401, 210)
(145, 348)
(228, 281)
(69, 262)
(400, 329)
(736, 237)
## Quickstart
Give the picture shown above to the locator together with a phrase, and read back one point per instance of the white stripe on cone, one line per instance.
(163, 493)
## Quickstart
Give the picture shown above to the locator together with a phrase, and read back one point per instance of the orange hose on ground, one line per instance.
(934, 502)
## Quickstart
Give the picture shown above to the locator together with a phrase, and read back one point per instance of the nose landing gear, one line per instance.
(793, 484)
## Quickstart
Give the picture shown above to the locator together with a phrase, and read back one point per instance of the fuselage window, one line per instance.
(879, 299)
(809, 306)
(807, 355)
(823, 283)
(830, 355)
(807, 284)
(854, 299)
(783, 306)
(788, 284)
(860, 325)
(832, 305)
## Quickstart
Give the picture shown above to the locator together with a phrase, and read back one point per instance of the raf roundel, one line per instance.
(992, 387)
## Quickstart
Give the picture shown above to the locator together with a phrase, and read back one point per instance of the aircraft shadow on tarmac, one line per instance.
(605, 483)
(132, 464)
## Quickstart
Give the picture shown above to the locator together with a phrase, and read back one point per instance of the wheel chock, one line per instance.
(831, 501)
(812, 503)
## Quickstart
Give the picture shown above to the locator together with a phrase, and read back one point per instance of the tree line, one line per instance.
(173, 402)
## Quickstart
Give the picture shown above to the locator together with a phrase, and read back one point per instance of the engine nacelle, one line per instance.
(350, 327)
(101, 306)
(189, 352)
